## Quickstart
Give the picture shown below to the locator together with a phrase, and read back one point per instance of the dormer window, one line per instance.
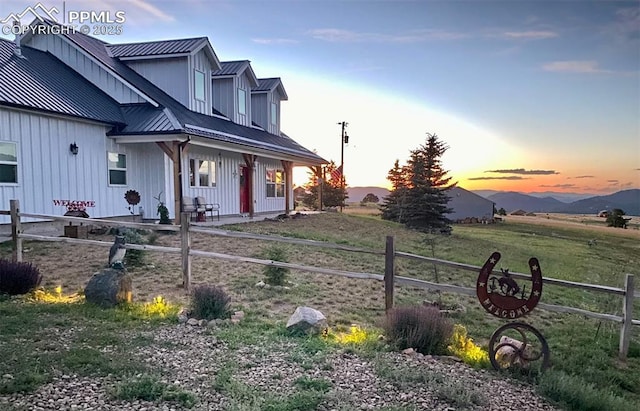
(274, 114)
(242, 101)
(199, 85)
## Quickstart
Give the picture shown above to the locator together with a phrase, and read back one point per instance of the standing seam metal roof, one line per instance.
(141, 124)
(40, 81)
(155, 48)
(230, 68)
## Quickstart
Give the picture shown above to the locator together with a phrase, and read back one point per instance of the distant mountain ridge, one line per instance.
(627, 200)
(511, 201)
(545, 202)
(356, 194)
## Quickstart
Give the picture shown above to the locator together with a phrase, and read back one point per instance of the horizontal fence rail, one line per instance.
(545, 280)
(389, 277)
(281, 239)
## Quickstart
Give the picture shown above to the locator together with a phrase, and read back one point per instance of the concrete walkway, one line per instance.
(235, 219)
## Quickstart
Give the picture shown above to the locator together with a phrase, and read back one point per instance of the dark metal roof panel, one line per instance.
(267, 84)
(256, 138)
(155, 48)
(144, 118)
(230, 68)
(40, 81)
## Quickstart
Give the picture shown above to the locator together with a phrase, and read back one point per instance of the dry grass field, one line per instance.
(581, 347)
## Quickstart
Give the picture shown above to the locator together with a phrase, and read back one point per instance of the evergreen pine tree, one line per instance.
(419, 198)
(393, 203)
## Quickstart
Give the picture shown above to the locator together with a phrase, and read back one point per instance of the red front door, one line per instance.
(244, 189)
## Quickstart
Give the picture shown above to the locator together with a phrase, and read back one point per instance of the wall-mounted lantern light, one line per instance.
(73, 147)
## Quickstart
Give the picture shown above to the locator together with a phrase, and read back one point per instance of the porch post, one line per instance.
(175, 154)
(250, 160)
(288, 179)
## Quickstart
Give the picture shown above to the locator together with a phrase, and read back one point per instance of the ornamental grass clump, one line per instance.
(209, 302)
(421, 328)
(18, 278)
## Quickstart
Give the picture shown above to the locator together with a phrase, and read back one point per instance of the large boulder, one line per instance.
(109, 287)
(307, 320)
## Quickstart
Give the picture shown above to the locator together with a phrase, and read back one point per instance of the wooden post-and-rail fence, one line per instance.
(390, 254)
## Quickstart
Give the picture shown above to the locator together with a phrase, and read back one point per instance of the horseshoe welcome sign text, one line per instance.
(501, 296)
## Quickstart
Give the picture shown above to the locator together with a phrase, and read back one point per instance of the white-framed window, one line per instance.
(275, 183)
(199, 85)
(117, 169)
(8, 163)
(242, 101)
(202, 173)
(274, 114)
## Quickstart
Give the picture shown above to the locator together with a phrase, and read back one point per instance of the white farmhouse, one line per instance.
(85, 121)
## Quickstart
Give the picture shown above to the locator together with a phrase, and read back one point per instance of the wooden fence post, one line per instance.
(16, 230)
(627, 317)
(389, 272)
(185, 241)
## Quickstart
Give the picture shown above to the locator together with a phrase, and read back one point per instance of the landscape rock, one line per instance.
(508, 351)
(193, 322)
(260, 284)
(307, 320)
(408, 351)
(109, 287)
(237, 317)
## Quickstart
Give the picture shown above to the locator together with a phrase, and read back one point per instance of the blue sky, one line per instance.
(530, 96)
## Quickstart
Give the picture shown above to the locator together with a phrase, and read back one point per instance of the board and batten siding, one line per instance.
(169, 74)
(48, 171)
(264, 204)
(227, 189)
(244, 83)
(86, 67)
(259, 107)
(200, 61)
(224, 96)
(145, 174)
(275, 99)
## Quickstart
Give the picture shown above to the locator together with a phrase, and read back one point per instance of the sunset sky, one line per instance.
(529, 96)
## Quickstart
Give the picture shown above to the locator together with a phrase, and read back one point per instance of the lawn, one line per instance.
(584, 351)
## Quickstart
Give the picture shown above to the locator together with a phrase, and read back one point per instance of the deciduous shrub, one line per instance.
(275, 275)
(133, 258)
(421, 328)
(209, 302)
(18, 278)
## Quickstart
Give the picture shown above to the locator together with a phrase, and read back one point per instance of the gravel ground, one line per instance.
(191, 358)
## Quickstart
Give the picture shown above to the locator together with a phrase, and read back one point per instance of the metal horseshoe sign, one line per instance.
(501, 296)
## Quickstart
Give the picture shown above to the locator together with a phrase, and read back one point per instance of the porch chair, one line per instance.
(189, 206)
(203, 206)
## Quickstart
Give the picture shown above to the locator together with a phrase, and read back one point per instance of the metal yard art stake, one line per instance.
(516, 343)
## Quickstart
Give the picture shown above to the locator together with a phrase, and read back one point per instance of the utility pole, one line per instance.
(344, 139)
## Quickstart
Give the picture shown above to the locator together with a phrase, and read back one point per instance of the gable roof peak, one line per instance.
(270, 84)
(236, 68)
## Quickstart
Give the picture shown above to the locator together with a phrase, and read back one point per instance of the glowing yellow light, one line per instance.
(355, 335)
(157, 308)
(55, 296)
(464, 348)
